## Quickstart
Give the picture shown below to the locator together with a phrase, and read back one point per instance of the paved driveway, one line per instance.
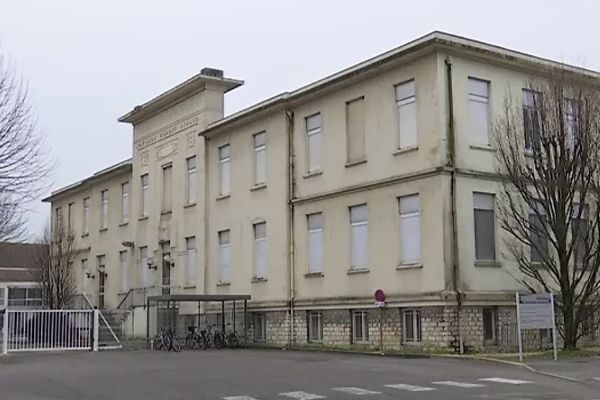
(270, 374)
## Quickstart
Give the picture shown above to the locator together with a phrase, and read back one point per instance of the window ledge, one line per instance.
(310, 174)
(166, 212)
(223, 197)
(84, 235)
(190, 205)
(405, 150)
(409, 266)
(103, 230)
(488, 264)
(189, 286)
(484, 147)
(124, 223)
(314, 275)
(355, 271)
(258, 186)
(355, 162)
(122, 293)
(223, 283)
(256, 279)
(143, 218)
(413, 344)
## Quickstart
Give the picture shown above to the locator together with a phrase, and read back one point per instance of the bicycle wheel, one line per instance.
(233, 340)
(219, 340)
(157, 343)
(175, 346)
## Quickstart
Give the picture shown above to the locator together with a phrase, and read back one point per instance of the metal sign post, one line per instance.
(380, 302)
(519, 338)
(554, 329)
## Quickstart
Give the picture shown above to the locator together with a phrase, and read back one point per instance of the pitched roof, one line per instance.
(17, 260)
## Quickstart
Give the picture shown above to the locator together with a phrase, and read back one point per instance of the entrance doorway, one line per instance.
(101, 279)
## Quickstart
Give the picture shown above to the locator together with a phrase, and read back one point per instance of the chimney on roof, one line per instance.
(217, 73)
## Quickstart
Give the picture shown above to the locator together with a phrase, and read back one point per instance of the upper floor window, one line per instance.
(86, 216)
(59, 219)
(104, 209)
(406, 103)
(485, 235)
(224, 169)
(479, 110)
(70, 218)
(359, 237)
(315, 242)
(144, 199)
(191, 259)
(260, 250)
(125, 202)
(532, 102)
(167, 192)
(190, 194)
(314, 142)
(260, 158)
(355, 130)
(572, 121)
(410, 229)
(224, 256)
(124, 271)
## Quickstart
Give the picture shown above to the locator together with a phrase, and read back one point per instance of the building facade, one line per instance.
(380, 176)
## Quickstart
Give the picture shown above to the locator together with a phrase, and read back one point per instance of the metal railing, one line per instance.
(136, 297)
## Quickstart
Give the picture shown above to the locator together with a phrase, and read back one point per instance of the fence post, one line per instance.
(95, 332)
(5, 333)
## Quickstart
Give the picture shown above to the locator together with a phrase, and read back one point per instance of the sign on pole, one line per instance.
(535, 311)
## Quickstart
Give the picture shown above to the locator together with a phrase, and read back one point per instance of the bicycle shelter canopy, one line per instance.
(173, 300)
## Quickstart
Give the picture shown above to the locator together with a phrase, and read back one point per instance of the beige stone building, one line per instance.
(377, 177)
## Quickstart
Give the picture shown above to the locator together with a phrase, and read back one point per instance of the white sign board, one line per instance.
(536, 311)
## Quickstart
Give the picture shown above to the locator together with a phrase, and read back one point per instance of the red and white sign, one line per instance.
(379, 298)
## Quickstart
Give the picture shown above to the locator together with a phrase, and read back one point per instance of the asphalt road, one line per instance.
(270, 374)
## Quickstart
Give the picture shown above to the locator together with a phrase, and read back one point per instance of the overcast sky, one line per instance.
(89, 62)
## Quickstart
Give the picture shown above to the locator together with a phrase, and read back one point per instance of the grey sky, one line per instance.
(89, 62)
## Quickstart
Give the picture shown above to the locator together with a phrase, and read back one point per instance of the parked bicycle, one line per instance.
(166, 340)
(226, 339)
(195, 340)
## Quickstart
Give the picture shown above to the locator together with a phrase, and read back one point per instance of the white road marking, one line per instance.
(355, 390)
(302, 395)
(504, 380)
(239, 398)
(410, 388)
(458, 384)
(596, 379)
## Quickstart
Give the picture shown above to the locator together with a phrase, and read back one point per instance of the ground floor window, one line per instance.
(315, 326)
(260, 327)
(489, 325)
(360, 326)
(24, 297)
(412, 326)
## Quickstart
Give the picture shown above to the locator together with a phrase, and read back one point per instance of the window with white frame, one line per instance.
(406, 103)
(410, 229)
(224, 256)
(315, 242)
(315, 326)
(191, 184)
(124, 202)
(104, 209)
(86, 216)
(58, 219)
(314, 142)
(359, 237)
(224, 169)
(572, 121)
(123, 265)
(167, 189)
(260, 250)
(355, 130)
(144, 266)
(260, 327)
(411, 320)
(485, 229)
(360, 326)
(145, 197)
(538, 250)
(260, 158)
(70, 208)
(83, 276)
(580, 227)
(489, 325)
(190, 260)
(479, 110)
(532, 102)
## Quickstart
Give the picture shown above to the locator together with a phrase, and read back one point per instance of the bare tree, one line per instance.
(23, 163)
(549, 163)
(54, 267)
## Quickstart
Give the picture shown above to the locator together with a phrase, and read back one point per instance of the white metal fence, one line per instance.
(50, 330)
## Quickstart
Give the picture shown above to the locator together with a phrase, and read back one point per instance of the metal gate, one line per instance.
(50, 330)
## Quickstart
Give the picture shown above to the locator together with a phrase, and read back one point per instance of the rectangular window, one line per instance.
(579, 234)
(355, 130)
(190, 262)
(315, 242)
(532, 102)
(359, 237)
(70, 218)
(104, 210)
(2, 300)
(539, 240)
(315, 326)
(360, 326)
(224, 256)
(406, 103)
(314, 139)
(260, 158)
(224, 169)
(145, 195)
(485, 236)
(190, 186)
(572, 121)
(167, 189)
(83, 276)
(144, 266)
(410, 229)
(59, 219)
(86, 216)
(124, 271)
(260, 327)
(479, 110)
(412, 326)
(260, 250)
(125, 202)
(489, 325)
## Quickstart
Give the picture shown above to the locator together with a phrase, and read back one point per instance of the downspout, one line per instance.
(206, 187)
(289, 114)
(451, 162)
